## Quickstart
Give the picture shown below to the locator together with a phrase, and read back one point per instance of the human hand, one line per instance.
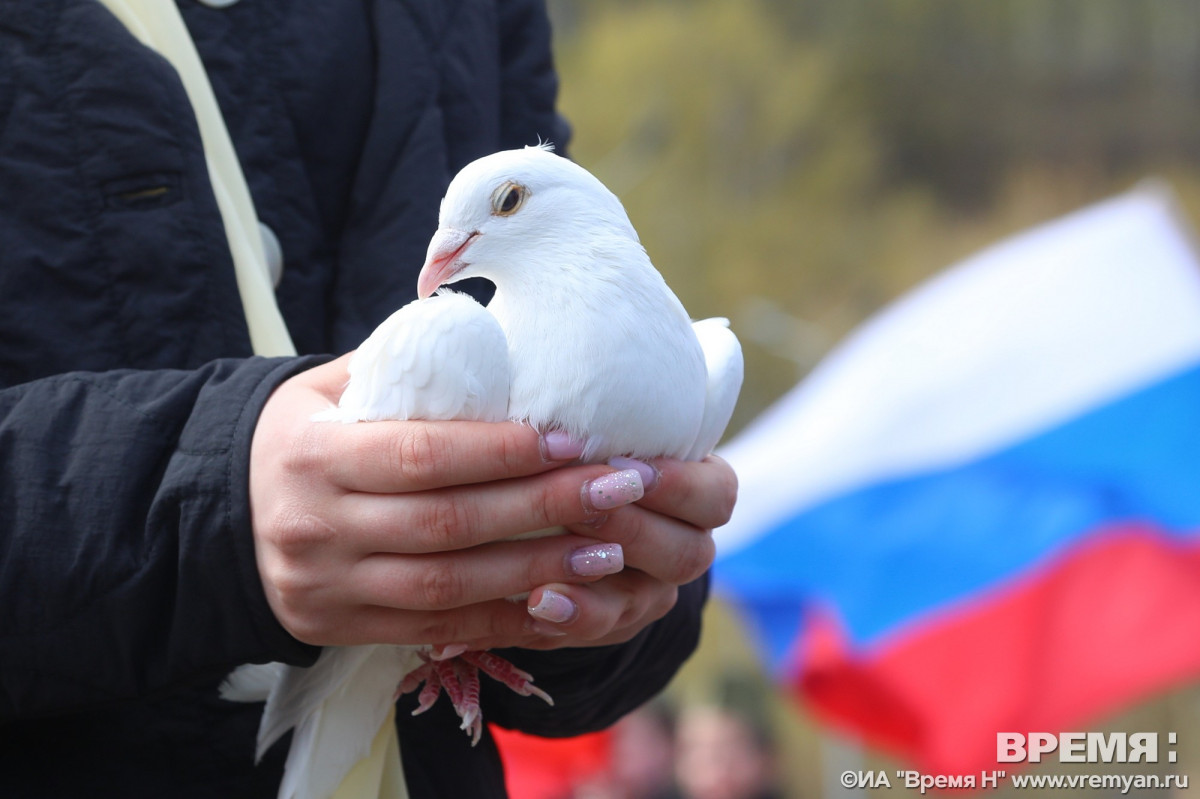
(666, 540)
(391, 532)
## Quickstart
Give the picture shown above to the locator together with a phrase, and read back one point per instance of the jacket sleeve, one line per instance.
(126, 558)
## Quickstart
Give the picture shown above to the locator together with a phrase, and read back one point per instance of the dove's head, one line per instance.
(509, 216)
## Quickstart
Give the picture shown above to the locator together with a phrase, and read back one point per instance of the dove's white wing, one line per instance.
(723, 360)
(440, 358)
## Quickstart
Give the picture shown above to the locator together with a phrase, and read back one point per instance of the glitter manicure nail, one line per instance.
(597, 560)
(612, 490)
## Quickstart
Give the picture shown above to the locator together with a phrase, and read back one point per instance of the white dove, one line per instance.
(582, 335)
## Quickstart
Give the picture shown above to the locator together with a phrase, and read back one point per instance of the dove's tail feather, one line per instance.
(252, 682)
(723, 360)
(380, 775)
(336, 707)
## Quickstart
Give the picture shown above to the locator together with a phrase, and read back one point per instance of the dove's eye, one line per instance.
(508, 198)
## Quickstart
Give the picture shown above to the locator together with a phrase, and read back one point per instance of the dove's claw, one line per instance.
(459, 678)
(501, 670)
(475, 730)
(447, 652)
(429, 694)
(468, 707)
(473, 725)
(533, 690)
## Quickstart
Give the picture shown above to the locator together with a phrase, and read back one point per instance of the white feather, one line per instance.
(336, 707)
(252, 682)
(723, 363)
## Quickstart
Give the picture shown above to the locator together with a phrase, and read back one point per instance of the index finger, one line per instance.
(389, 457)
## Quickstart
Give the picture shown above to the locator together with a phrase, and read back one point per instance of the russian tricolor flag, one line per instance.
(982, 512)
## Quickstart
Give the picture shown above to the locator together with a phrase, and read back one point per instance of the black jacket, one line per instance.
(128, 586)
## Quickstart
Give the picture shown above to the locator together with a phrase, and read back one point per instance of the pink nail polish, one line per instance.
(448, 652)
(597, 560)
(554, 607)
(612, 490)
(542, 628)
(650, 475)
(556, 445)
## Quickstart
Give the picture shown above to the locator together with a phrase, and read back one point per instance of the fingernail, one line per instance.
(554, 607)
(650, 474)
(448, 652)
(597, 560)
(556, 445)
(612, 490)
(595, 522)
(548, 630)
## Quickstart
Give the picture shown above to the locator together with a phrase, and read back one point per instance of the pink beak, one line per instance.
(444, 259)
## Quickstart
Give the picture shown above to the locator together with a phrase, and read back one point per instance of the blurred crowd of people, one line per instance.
(721, 748)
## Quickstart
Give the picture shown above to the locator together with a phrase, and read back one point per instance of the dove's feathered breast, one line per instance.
(626, 376)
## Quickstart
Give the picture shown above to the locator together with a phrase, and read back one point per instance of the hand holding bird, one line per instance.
(582, 340)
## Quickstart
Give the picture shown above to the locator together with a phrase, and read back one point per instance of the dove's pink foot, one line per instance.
(501, 670)
(459, 678)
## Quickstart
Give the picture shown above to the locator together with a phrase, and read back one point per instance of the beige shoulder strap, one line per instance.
(158, 25)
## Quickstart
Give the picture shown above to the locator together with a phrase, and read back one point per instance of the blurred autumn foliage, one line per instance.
(796, 164)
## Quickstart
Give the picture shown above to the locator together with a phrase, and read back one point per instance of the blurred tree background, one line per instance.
(797, 164)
